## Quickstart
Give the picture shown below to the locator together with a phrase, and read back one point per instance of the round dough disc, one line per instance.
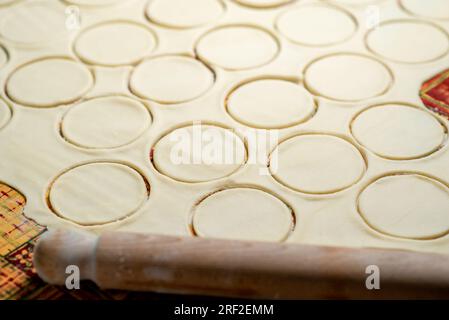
(428, 43)
(243, 214)
(263, 3)
(3, 57)
(398, 131)
(5, 113)
(98, 193)
(199, 153)
(408, 206)
(237, 47)
(171, 79)
(115, 43)
(24, 23)
(51, 91)
(436, 9)
(304, 25)
(105, 122)
(270, 104)
(347, 77)
(317, 164)
(184, 14)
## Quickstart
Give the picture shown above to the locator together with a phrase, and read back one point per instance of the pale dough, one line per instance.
(40, 84)
(347, 77)
(355, 2)
(3, 57)
(105, 122)
(211, 153)
(7, 2)
(171, 79)
(243, 213)
(427, 43)
(94, 2)
(5, 113)
(34, 23)
(237, 47)
(184, 14)
(115, 43)
(98, 193)
(408, 205)
(263, 3)
(316, 25)
(270, 103)
(399, 131)
(436, 9)
(317, 163)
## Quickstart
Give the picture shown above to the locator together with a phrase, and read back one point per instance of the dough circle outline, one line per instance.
(129, 168)
(282, 204)
(443, 143)
(392, 228)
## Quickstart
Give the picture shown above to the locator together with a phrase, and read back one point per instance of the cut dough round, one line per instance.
(115, 43)
(105, 122)
(39, 83)
(24, 23)
(414, 41)
(171, 79)
(199, 153)
(347, 77)
(263, 3)
(406, 205)
(237, 47)
(3, 56)
(317, 163)
(398, 131)
(184, 14)
(98, 193)
(243, 214)
(5, 113)
(435, 9)
(270, 104)
(304, 25)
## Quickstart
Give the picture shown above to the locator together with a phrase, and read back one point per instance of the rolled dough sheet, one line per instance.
(98, 100)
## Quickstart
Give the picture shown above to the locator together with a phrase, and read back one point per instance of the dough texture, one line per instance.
(3, 57)
(5, 113)
(243, 213)
(436, 9)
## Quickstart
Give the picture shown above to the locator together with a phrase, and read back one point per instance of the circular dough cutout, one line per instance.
(105, 122)
(98, 193)
(115, 43)
(409, 206)
(263, 3)
(435, 9)
(199, 153)
(270, 104)
(347, 77)
(398, 132)
(237, 47)
(3, 56)
(184, 14)
(317, 164)
(304, 25)
(23, 24)
(171, 79)
(414, 41)
(39, 83)
(243, 214)
(5, 113)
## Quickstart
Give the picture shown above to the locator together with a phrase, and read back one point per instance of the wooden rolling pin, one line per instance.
(236, 268)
